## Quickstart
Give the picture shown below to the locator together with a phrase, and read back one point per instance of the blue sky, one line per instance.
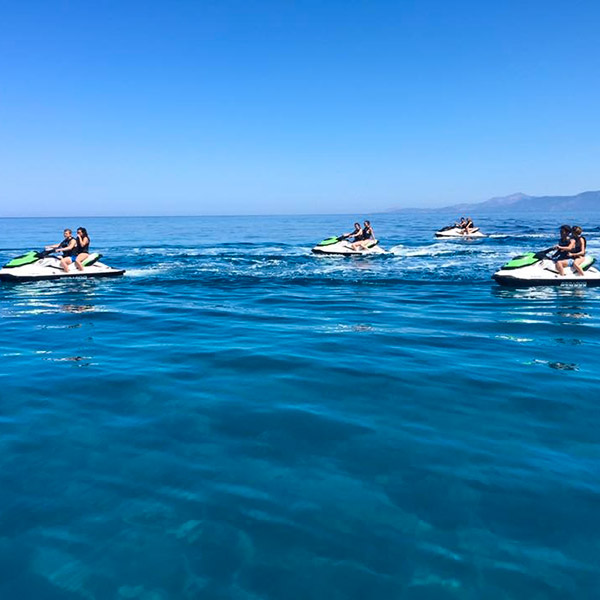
(225, 107)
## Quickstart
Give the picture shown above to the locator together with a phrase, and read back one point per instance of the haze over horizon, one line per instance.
(271, 108)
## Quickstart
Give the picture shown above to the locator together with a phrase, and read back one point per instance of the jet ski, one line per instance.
(37, 266)
(453, 231)
(535, 268)
(342, 247)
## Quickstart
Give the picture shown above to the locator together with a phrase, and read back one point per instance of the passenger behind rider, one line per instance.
(578, 252)
(83, 247)
(366, 235)
(564, 246)
(68, 248)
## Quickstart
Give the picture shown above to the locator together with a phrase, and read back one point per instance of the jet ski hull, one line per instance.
(49, 268)
(14, 278)
(344, 248)
(456, 232)
(544, 273)
(516, 282)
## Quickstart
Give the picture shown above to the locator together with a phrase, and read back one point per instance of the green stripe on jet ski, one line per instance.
(588, 263)
(522, 261)
(91, 259)
(329, 241)
(25, 259)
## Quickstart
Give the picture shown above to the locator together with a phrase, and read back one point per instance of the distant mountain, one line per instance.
(586, 201)
(511, 202)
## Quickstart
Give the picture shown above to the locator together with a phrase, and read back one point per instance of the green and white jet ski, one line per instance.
(37, 266)
(342, 247)
(537, 269)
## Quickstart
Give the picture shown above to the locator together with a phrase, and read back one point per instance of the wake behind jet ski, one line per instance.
(538, 269)
(37, 266)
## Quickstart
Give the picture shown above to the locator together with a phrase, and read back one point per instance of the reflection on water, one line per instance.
(558, 366)
(560, 309)
(73, 359)
(544, 293)
(569, 342)
(574, 315)
(78, 308)
(69, 359)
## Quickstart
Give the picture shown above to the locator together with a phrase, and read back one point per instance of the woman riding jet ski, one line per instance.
(37, 266)
(540, 269)
(464, 229)
(364, 243)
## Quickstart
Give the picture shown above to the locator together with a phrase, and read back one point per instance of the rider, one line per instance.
(366, 235)
(83, 247)
(68, 248)
(564, 246)
(355, 234)
(578, 252)
(467, 226)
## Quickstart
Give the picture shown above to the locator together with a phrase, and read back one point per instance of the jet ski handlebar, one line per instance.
(544, 253)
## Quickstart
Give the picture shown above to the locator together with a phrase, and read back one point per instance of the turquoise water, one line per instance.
(239, 419)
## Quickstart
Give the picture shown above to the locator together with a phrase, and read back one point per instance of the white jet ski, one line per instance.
(537, 269)
(37, 266)
(342, 247)
(452, 231)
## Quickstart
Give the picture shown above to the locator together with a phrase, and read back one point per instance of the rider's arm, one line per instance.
(70, 246)
(567, 247)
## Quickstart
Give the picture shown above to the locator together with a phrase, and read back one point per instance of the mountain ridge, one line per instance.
(520, 202)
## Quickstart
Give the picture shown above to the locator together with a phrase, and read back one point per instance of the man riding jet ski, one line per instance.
(464, 229)
(364, 243)
(36, 266)
(539, 269)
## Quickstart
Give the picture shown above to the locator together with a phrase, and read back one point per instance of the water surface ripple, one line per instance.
(239, 419)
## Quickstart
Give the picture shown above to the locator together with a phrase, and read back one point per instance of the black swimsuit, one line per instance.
(64, 244)
(579, 246)
(83, 249)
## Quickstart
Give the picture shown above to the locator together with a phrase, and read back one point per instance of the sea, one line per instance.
(237, 418)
